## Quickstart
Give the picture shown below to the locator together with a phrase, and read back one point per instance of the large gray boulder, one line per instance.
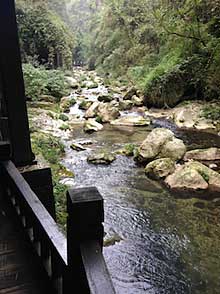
(194, 176)
(174, 149)
(160, 143)
(107, 112)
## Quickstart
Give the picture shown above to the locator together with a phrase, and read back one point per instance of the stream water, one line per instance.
(164, 243)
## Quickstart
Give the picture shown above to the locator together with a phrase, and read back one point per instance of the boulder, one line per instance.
(153, 144)
(105, 98)
(203, 154)
(101, 158)
(186, 178)
(66, 103)
(137, 101)
(130, 93)
(131, 121)
(73, 83)
(77, 147)
(106, 112)
(160, 168)
(194, 176)
(90, 85)
(92, 111)
(125, 104)
(91, 125)
(85, 104)
(174, 149)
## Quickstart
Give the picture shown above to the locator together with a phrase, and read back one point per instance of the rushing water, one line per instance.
(167, 244)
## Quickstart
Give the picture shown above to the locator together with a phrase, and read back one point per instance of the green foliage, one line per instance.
(63, 117)
(39, 81)
(169, 49)
(64, 127)
(47, 145)
(211, 112)
(43, 35)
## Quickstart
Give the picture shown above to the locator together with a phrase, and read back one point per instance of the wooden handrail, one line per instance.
(44, 234)
(77, 260)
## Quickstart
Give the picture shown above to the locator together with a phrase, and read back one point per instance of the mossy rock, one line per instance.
(101, 158)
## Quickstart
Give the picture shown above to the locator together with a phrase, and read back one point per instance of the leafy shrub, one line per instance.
(211, 112)
(63, 117)
(39, 81)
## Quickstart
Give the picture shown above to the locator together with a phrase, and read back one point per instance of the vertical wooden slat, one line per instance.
(13, 85)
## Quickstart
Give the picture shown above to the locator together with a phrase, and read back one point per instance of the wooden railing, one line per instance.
(71, 263)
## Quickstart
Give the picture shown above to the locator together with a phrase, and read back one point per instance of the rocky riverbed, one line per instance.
(156, 241)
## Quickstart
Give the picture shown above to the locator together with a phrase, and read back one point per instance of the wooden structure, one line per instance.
(35, 256)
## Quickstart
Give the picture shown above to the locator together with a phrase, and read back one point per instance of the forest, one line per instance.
(167, 49)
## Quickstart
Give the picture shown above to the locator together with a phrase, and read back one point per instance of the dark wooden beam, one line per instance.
(13, 85)
(85, 240)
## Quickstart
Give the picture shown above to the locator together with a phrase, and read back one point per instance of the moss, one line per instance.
(63, 117)
(64, 127)
(53, 150)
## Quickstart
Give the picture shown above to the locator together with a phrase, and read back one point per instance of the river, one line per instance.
(164, 243)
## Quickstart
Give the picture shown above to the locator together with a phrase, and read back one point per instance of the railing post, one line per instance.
(84, 223)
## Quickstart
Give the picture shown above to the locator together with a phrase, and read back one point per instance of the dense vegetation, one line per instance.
(170, 49)
(44, 37)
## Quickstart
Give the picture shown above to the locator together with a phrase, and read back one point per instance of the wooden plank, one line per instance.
(13, 85)
(17, 273)
(39, 212)
(96, 270)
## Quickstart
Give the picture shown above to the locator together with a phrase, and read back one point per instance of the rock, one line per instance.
(189, 116)
(101, 158)
(153, 144)
(77, 147)
(73, 83)
(203, 154)
(185, 117)
(194, 176)
(110, 238)
(131, 121)
(66, 103)
(106, 112)
(125, 104)
(105, 98)
(137, 101)
(160, 168)
(91, 125)
(68, 182)
(129, 94)
(85, 104)
(174, 149)
(92, 111)
(90, 85)
(186, 178)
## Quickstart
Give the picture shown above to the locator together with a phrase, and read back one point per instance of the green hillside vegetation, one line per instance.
(169, 49)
